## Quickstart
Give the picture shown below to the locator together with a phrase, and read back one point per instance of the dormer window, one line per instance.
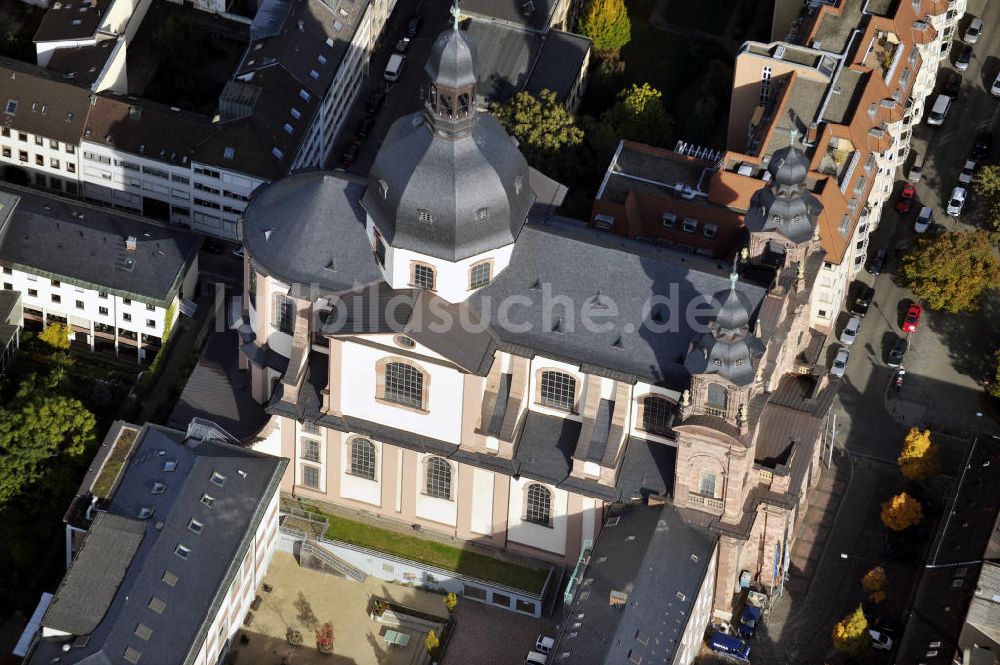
(218, 479)
(425, 216)
(690, 225)
(483, 214)
(710, 230)
(383, 188)
(668, 220)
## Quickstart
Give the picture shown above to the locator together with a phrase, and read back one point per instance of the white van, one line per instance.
(395, 66)
(973, 32)
(942, 104)
(535, 658)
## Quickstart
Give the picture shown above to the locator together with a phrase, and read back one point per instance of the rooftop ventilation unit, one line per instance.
(131, 243)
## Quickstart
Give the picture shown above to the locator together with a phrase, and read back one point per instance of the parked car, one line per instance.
(965, 176)
(376, 100)
(973, 32)
(730, 644)
(365, 126)
(995, 88)
(850, 332)
(840, 362)
(878, 263)
(924, 220)
(350, 153)
(239, 252)
(402, 45)
(983, 145)
(964, 58)
(956, 202)
(749, 620)
(912, 318)
(880, 641)
(214, 246)
(906, 197)
(413, 27)
(862, 298)
(953, 84)
(535, 658)
(394, 68)
(916, 168)
(898, 350)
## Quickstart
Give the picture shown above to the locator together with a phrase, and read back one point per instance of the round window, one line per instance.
(404, 341)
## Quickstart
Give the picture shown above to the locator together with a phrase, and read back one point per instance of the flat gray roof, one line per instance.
(85, 245)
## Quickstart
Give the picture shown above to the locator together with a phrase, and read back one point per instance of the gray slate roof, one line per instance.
(453, 179)
(599, 274)
(559, 63)
(85, 245)
(453, 61)
(210, 566)
(659, 561)
(218, 390)
(86, 592)
(296, 227)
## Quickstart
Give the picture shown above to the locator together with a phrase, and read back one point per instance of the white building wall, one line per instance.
(442, 386)
(694, 631)
(482, 502)
(551, 538)
(43, 158)
(431, 508)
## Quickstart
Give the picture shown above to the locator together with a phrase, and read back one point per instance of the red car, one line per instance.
(906, 198)
(912, 318)
(350, 153)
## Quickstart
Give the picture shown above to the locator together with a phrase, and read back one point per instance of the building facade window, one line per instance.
(403, 384)
(656, 414)
(437, 481)
(706, 484)
(479, 275)
(558, 390)
(538, 502)
(765, 85)
(423, 276)
(363, 459)
(379, 249)
(309, 450)
(284, 314)
(716, 399)
(310, 476)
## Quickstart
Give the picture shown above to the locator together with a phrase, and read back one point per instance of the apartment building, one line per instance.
(168, 549)
(115, 280)
(285, 104)
(426, 358)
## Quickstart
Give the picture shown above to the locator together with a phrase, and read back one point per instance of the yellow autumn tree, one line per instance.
(901, 512)
(874, 583)
(921, 457)
(55, 335)
(431, 642)
(850, 635)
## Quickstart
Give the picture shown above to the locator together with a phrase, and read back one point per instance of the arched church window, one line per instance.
(716, 396)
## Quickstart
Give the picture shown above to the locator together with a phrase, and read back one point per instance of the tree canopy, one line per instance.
(921, 457)
(36, 428)
(56, 335)
(639, 115)
(901, 512)
(606, 23)
(952, 271)
(874, 583)
(541, 124)
(986, 183)
(850, 635)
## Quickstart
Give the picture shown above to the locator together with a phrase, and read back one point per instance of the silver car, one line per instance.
(924, 220)
(840, 362)
(850, 332)
(969, 170)
(956, 202)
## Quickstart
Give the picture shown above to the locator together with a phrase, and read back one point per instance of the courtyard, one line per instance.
(302, 599)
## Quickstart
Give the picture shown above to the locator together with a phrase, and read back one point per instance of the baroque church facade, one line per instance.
(436, 347)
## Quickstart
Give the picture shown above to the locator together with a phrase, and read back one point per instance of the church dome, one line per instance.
(448, 182)
(788, 166)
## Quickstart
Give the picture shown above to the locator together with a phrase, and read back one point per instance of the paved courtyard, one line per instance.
(304, 599)
(487, 635)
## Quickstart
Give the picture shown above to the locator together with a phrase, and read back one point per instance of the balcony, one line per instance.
(695, 499)
(839, 161)
(883, 54)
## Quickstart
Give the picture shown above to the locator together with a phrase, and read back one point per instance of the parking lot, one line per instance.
(403, 96)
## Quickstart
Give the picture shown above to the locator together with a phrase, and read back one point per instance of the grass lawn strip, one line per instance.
(435, 554)
(115, 461)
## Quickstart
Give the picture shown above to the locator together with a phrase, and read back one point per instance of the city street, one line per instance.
(841, 536)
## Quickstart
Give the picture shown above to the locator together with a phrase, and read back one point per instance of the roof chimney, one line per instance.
(812, 134)
(131, 243)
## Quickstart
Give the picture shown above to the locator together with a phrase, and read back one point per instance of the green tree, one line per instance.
(986, 183)
(56, 335)
(921, 457)
(850, 635)
(993, 387)
(901, 512)
(541, 124)
(607, 24)
(639, 115)
(36, 428)
(952, 271)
